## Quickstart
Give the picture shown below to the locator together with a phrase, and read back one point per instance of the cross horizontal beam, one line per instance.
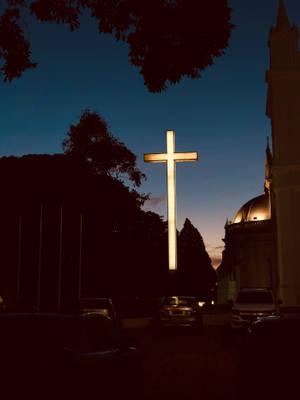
(165, 157)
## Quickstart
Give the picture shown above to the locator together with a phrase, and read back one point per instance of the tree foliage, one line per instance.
(91, 142)
(14, 48)
(194, 263)
(124, 248)
(192, 247)
(120, 241)
(168, 39)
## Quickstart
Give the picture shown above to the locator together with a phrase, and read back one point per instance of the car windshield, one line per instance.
(254, 297)
(182, 301)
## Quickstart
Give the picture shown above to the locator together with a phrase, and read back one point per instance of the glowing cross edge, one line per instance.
(170, 157)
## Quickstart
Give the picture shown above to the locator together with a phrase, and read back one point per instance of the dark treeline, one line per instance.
(52, 207)
(124, 249)
(68, 221)
(195, 272)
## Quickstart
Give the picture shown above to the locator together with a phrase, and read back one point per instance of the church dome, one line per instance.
(257, 209)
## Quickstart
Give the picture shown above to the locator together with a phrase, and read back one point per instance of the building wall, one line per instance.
(283, 109)
(269, 254)
(287, 201)
(249, 259)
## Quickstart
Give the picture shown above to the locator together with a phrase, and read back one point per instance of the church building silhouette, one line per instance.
(262, 243)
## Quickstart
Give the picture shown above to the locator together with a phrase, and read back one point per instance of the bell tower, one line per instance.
(283, 109)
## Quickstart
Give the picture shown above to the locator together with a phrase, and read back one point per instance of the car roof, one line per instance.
(35, 315)
(94, 298)
(44, 315)
(95, 314)
(181, 297)
(255, 289)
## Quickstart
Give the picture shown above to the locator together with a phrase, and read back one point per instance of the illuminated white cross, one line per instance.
(170, 157)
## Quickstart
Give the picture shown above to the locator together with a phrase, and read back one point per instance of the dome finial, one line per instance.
(282, 17)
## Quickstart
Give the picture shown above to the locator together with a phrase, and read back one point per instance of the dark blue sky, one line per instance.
(221, 115)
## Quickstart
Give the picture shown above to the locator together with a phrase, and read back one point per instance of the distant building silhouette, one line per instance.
(262, 243)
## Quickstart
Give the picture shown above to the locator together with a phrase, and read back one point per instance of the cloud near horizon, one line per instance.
(154, 201)
(214, 248)
(216, 261)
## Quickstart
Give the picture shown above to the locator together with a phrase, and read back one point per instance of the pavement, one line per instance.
(186, 364)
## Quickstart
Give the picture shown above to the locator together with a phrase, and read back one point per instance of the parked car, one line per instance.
(62, 356)
(251, 304)
(103, 305)
(180, 311)
(268, 359)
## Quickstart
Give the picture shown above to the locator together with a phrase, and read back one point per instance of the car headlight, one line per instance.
(267, 313)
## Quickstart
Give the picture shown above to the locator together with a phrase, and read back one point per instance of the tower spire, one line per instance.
(282, 18)
(283, 42)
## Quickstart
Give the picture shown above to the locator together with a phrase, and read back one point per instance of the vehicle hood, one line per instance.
(253, 307)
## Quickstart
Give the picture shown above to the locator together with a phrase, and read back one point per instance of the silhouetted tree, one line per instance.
(168, 39)
(148, 249)
(195, 271)
(91, 142)
(124, 249)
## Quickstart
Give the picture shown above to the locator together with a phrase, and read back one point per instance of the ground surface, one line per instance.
(185, 364)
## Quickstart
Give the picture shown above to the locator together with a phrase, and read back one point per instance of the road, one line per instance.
(185, 364)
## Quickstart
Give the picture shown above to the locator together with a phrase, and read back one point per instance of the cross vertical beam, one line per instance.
(171, 182)
(170, 158)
